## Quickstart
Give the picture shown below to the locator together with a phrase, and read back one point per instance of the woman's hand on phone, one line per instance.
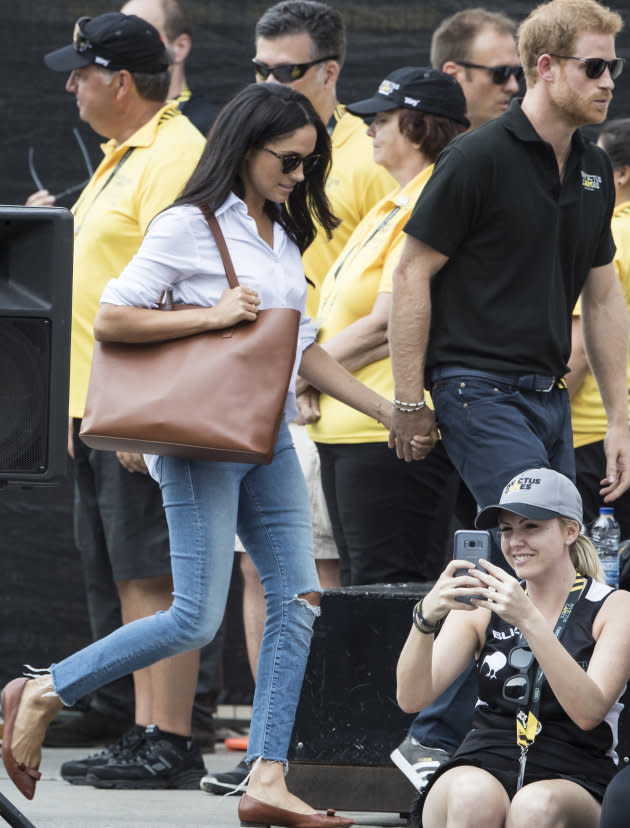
(501, 593)
(450, 589)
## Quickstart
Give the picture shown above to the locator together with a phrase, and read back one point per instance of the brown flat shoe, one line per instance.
(256, 814)
(22, 777)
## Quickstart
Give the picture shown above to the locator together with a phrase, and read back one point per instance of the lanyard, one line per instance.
(337, 115)
(109, 178)
(528, 724)
(326, 306)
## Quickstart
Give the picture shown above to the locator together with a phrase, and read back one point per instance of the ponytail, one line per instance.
(584, 556)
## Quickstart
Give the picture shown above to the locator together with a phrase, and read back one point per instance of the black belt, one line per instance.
(525, 382)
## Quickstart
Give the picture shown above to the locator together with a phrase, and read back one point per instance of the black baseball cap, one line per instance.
(113, 41)
(417, 87)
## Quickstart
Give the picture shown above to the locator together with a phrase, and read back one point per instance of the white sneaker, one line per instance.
(418, 762)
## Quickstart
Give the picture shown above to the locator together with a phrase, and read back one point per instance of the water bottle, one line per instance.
(606, 534)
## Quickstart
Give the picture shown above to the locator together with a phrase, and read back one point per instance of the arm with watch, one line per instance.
(428, 665)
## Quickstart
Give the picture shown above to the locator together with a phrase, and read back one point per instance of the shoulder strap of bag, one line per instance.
(219, 238)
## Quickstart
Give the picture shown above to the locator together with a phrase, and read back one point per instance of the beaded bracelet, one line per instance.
(408, 407)
(421, 624)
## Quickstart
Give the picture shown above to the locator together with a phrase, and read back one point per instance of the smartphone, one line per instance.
(470, 545)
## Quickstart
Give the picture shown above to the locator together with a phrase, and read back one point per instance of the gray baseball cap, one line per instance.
(541, 494)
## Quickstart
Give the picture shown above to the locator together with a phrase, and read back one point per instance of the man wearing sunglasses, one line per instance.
(303, 43)
(478, 48)
(529, 202)
(513, 224)
(118, 74)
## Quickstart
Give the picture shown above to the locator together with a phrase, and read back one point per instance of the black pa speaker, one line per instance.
(35, 313)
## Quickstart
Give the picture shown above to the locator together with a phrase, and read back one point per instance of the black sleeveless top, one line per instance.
(561, 746)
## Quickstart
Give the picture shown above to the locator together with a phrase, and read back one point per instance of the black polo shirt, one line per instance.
(520, 241)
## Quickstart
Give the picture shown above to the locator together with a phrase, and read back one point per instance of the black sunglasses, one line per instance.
(291, 161)
(595, 67)
(287, 72)
(75, 187)
(517, 688)
(499, 74)
(79, 40)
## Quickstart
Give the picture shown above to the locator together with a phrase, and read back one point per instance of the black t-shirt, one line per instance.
(561, 745)
(200, 112)
(520, 241)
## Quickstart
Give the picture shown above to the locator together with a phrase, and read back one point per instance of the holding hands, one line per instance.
(413, 434)
(308, 406)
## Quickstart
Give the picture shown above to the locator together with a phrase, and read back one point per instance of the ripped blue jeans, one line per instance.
(205, 504)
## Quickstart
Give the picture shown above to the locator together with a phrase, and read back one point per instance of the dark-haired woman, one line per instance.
(262, 173)
(390, 519)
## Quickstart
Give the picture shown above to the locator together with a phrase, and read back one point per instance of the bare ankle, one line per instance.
(41, 696)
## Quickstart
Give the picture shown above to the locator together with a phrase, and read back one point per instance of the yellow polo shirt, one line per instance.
(364, 269)
(355, 184)
(588, 415)
(133, 182)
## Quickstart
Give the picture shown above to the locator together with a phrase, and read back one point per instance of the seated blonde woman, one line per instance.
(553, 657)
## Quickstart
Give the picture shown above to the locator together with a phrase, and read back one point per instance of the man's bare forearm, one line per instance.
(605, 328)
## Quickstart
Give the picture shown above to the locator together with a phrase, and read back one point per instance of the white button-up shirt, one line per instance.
(179, 254)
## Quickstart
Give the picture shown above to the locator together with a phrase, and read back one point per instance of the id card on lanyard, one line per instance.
(528, 724)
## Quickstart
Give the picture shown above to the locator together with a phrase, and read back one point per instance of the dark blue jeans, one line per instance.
(616, 801)
(493, 427)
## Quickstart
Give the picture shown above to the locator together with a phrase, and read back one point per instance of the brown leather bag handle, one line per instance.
(219, 238)
(166, 299)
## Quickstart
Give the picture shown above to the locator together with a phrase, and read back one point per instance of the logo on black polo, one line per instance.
(590, 181)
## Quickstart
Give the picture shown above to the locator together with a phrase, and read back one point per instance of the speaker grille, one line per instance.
(25, 352)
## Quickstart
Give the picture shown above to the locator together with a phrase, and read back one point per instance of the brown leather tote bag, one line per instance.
(218, 395)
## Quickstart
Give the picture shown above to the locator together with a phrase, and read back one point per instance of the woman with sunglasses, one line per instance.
(553, 657)
(379, 505)
(262, 174)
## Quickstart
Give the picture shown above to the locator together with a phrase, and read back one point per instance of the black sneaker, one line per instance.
(230, 782)
(160, 762)
(76, 772)
(87, 729)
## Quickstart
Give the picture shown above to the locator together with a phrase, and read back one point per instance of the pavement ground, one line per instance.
(57, 804)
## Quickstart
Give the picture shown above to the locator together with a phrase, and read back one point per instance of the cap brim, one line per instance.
(371, 106)
(65, 59)
(488, 518)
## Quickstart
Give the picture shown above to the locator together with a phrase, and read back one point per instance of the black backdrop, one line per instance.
(41, 608)
(35, 111)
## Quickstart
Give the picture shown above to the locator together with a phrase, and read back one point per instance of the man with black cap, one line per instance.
(119, 76)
